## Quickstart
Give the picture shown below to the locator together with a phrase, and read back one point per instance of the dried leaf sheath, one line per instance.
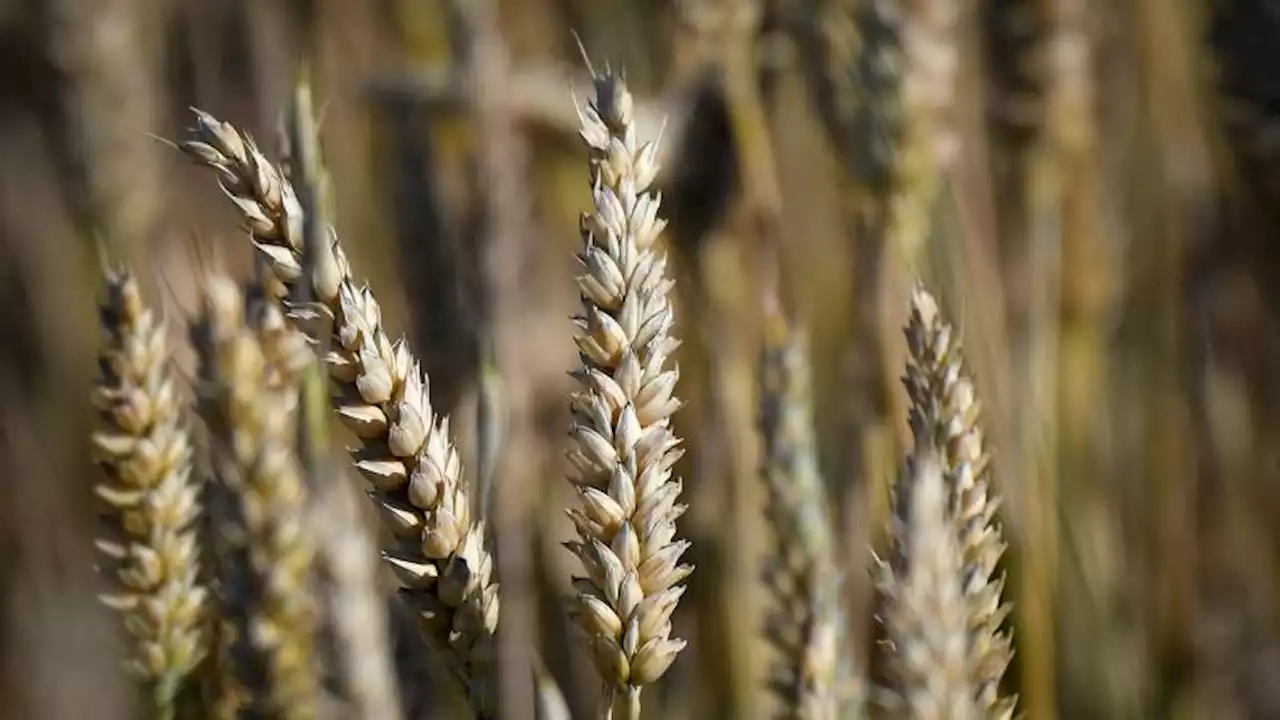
(406, 451)
(143, 445)
(624, 446)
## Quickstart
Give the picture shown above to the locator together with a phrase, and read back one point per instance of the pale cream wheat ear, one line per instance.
(924, 613)
(269, 610)
(143, 445)
(624, 447)
(406, 453)
(944, 414)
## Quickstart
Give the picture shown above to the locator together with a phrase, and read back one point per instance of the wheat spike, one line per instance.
(624, 445)
(883, 75)
(270, 613)
(284, 349)
(854, 63)
(925, 614)
(929, 144)
(813, 678)
(944, 418)
(437, 552)
(143, 445)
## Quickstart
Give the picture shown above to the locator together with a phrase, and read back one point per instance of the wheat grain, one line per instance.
(407, 455)
(269, 610)
(143, 445)
(624, 445)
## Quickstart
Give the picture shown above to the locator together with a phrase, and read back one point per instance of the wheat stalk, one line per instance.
(356, 609)
(944, 414)
(806, 625)
(406, 453)
(143, 445)
(269, 609)
(624, 445)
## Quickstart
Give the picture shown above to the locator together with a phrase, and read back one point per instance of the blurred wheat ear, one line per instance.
(355, 610)
(266, 600)
(152, 499)
(813, 676)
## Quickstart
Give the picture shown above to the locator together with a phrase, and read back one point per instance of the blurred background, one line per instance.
(1104, 238)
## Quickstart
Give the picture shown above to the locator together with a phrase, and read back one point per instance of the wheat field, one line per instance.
(550, 359)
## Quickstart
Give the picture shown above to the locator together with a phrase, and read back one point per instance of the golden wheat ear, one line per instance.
(624, 447)
(152, 502)
(437, 551)
(269, 612)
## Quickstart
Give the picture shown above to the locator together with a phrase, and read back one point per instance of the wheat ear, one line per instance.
(924, 614)
(944, 419)
(284, 349)
(806, 623)
(270, 613)
(624, 445)
(144, 446)
(853, 58)
(928, 145)
(406, 453)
